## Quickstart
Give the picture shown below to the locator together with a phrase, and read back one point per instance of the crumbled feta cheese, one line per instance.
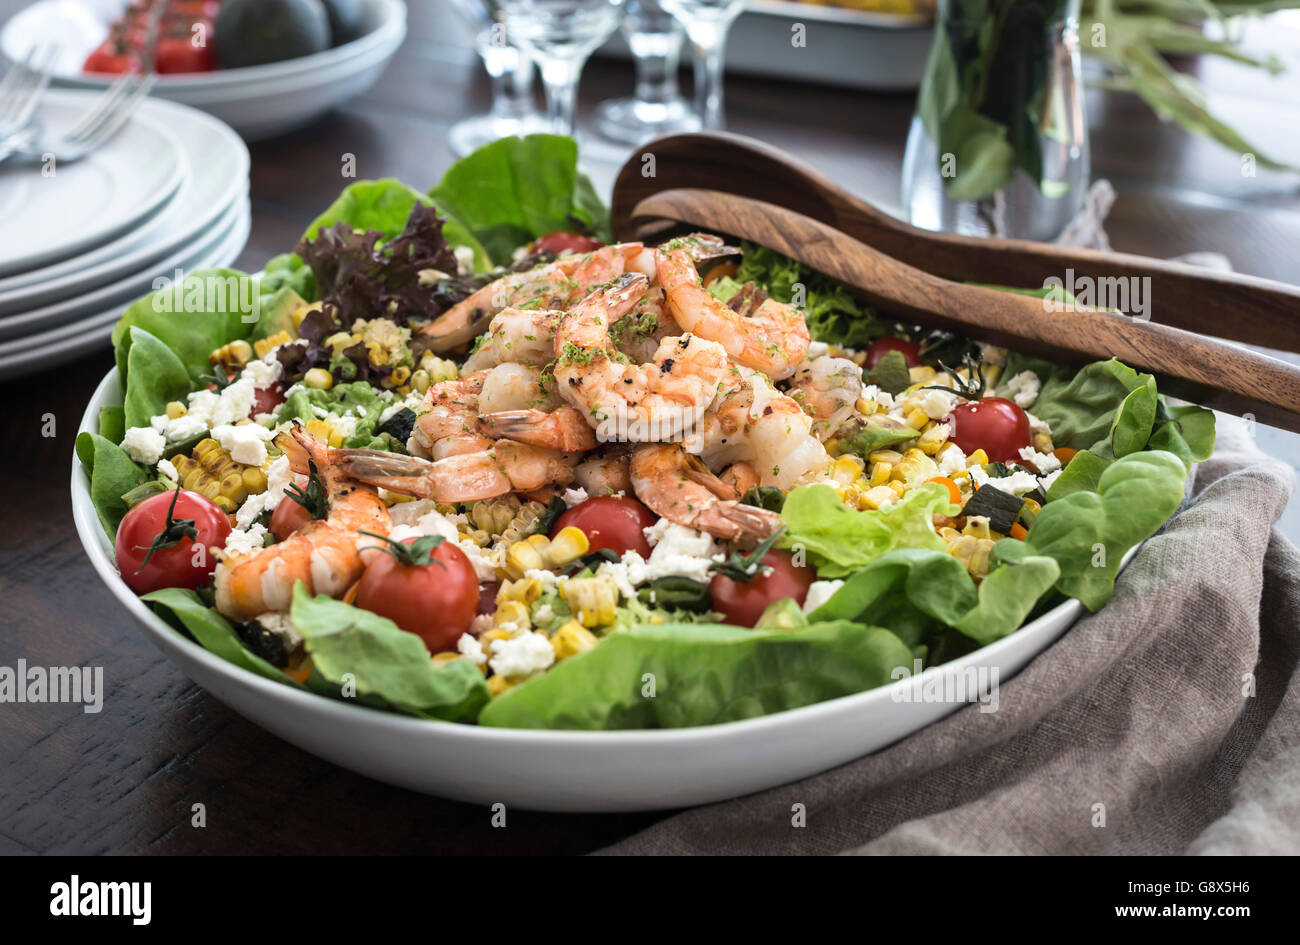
(246, 442)
(934, 403)
(245, 541)
(166, 468)
(1023, 388)
(816, 349)
(484, 561)
(481, 624)
(145, 445)
(420, 518)
(345, 425)
(547, 578)
(620, 572)
(819, 592)
(523, 655)
(1043, 462)
(1037, 426)
(656, 531)
(1050, 478)
(992, 354)
(465, 256)
(879, 397)
(184, 428)
(680, 551)
(1018, 483)
(572, 497)
(471, 649)
(278, 478)
(544, 614)
(263, 373)
(951, 460)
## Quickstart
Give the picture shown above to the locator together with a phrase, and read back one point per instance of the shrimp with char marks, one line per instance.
(652, 402)
(827, 388)
(325, 554)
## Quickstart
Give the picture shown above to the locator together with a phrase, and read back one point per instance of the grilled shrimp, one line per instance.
(521, 335)
(773, 339)
(551, 285)
(827, 388)
(605, 471)
(756, 424)
(640, 403)
(324, 554)
(506, 467)
(453, 410)
(679, 487)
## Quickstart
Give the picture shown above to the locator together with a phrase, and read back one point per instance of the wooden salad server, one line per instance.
(1227, 305)
(1187, 365)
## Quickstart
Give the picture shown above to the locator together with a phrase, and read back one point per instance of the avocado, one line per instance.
(347, 20)
(254, 32)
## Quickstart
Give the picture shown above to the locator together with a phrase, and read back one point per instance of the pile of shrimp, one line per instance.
(615, 371)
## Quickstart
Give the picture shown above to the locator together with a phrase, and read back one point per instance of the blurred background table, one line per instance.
(125, 780)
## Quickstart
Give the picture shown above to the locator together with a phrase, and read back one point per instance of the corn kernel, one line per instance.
(525, 590)
(445, 657)
(916, 418)
(897, 486)
(522, 557)
(318, 379)
(977, 458)
(571, 639)
(885, 456)
(568, 546)
(992, 372)
(420, 381)
(1043, 443)
(512, 614)
(932, 440)
(400, 375)
(923, 374)
(877, 496)
(880, 473)
(176, 410)
(497, 685)
(593, 600)
(268, 344)
(977, 526)
(846, 469)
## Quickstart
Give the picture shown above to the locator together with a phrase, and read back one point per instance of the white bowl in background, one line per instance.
(257, 101)
(561, 770)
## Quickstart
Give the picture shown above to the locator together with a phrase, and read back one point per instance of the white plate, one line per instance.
(16, 329)
(218, 177)
(51, 348)
(45, 218)
(257, 101)
(553, 770)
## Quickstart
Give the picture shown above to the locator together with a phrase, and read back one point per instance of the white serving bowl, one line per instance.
(257, 101)
(560, 770)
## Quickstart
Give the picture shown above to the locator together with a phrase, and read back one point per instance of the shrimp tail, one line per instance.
(563, 429)
(750, 519)
(405, 474)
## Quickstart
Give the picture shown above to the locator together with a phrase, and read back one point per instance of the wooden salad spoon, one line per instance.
(1187, 365)
(1227, 305)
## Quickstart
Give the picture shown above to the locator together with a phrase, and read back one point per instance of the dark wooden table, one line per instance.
(125, 780)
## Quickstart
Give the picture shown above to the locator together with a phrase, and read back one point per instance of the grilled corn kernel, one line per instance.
(512, 615)
(1043, 443)
(302, 312)
(525, 556)
(318, 379)
(495, 515)
(438, 369)
(568, 546)
(977, 458)
(897, 486)
(877, 496)
(210, 471)
(972, 552)
(880, 473)
(524, 591)
(268, 344)
(497, 685)
(176, 410)
(593, 600)
(885, 456)
(923, 374)
(571, 639)
(401, 374)
(916, 418)
(232, 356)
(933, 438)
(846, 470)
(325, 432)
(420, 381)
(377, 353)
(866, 406)
(977, 526)
(445, 657)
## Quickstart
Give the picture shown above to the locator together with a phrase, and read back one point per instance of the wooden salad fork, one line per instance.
(1227, 305)
(1187, 365)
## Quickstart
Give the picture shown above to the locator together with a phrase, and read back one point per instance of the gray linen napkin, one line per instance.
(1133, 734)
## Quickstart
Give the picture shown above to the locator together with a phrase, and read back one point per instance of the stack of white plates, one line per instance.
(257, 101)
(79, 242)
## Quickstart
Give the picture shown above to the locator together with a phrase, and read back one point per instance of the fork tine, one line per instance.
(14, 92)
(121, 114)
(14, 73)
(102, 108)
(38, 87)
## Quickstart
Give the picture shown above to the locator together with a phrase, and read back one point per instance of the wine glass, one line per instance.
(560, 35)
(656, 108)
(512, 112)
(707, 23)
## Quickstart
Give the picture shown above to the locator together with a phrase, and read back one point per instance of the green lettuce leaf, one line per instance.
(210, 308)
(112, 475)
(517, 189)
(678, 675)
(155, 377)
(832, 314)
(288, 271)
(1088, 532)
(387, 666)
(212, 631)
(839, 540)
(358, 397)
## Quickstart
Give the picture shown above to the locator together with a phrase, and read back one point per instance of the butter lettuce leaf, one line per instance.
(155, 377)
(112, 475)
(678, 675)
(183, 607)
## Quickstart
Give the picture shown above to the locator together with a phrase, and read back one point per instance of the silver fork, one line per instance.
(114, 108)
(21, 90)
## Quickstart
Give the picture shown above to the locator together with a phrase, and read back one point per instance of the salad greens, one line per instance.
(358, 398)
(112, 475)
(157, 376)
(700, 674)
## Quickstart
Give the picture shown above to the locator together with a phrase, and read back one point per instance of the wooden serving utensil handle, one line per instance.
(1207, 371)
(1227, 305)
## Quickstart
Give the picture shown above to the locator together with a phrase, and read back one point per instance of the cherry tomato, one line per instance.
(910, 350)
(611, 522)
(432, 593)
(176, 54)
(559, 241)
(167, 541)
(743, 602)
(266, 399)
(288, 517)
(995, 425)
(112, 60)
